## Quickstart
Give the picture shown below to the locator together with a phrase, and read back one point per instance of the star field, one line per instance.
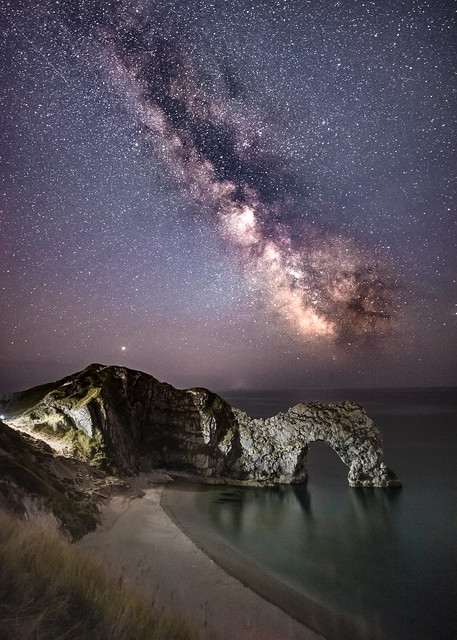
(233, 194)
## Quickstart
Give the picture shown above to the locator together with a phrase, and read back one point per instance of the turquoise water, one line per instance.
(383, 558)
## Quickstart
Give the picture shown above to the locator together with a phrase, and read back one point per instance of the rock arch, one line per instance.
(276, 449)
(127, 420)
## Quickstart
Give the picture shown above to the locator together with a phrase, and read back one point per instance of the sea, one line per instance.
(351, 563)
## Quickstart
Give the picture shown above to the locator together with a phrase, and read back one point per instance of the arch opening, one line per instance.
(324, 461)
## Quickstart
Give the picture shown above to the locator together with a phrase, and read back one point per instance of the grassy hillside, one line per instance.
(29, 474)
(15, 404)
(50, 590)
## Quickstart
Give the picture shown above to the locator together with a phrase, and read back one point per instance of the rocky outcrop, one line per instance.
(277, 447)
(126, 421)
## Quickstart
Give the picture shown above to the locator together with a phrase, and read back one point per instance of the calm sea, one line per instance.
(382, 561)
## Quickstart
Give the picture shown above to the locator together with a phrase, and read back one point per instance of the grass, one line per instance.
(50, 590)
(24, 400)
(87, 447)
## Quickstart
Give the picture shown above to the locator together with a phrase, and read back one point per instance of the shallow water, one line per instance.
(384, 558)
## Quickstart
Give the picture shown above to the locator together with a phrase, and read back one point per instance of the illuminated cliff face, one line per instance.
(125, 421)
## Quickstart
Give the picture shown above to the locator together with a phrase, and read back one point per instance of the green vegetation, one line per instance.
(83, 397)
(77, 512)
(26, 469)
(87, 447)
(50, 589)
(214, 403)
(22, 402)
(228, 437)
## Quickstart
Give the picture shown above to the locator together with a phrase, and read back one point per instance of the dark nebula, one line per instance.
(231, 193)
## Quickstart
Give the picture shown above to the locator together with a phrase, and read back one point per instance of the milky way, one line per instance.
(324, 284)
(254, 193)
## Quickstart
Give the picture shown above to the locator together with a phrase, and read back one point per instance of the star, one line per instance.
(245, 194)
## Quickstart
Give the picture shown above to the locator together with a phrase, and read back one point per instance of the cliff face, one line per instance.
(126, 421)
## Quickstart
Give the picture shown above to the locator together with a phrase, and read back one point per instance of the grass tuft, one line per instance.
(50, 589)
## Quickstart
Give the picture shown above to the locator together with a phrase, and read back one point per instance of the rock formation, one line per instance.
(126, 421)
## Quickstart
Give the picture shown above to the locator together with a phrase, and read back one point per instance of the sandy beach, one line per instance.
(138, 539)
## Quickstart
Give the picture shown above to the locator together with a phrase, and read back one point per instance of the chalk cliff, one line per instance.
(126, 421)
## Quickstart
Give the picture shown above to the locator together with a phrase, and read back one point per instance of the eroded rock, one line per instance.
(126, 421)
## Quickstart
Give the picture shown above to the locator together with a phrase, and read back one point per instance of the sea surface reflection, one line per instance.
(384, 558)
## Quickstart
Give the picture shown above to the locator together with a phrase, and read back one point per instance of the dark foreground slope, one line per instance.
(37, 482)
(50, 589)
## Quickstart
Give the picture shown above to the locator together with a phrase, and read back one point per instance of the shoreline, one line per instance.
(324, 622)
(138, 539)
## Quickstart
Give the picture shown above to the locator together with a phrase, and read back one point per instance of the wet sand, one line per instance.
(139, 539)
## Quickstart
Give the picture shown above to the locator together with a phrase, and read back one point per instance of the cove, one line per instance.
(348, 562)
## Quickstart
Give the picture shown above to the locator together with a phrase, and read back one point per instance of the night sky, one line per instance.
(231, 194)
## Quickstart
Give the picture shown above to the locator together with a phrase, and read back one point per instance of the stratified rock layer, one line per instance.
(127, 421)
